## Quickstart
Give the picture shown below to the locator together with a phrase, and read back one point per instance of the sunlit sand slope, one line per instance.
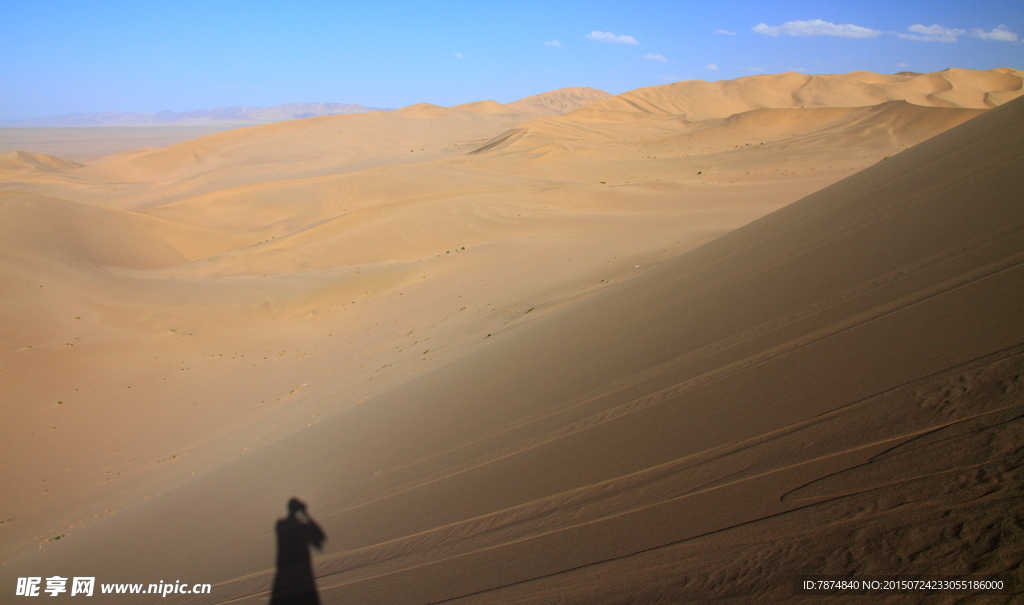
(22, 162)
(559, 101)
(698, 100)
(296, 149)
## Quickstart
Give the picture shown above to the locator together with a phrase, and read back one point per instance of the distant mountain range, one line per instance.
(255, 115)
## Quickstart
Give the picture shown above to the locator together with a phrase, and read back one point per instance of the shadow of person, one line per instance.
(293, 582)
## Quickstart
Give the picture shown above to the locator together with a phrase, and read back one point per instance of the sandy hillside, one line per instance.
(557, 102)
(90, 144)
(548, 356)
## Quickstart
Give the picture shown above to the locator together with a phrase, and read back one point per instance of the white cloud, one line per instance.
(903, 65)
(932, 33)
(712, 66)
(610, 37)
(999, 34)
(459, 56)
(939, 33)
(725, 32)
(817, 27)
(654, 57)
(554, 43)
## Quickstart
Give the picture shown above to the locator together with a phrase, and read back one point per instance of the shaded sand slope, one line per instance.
(834, 388)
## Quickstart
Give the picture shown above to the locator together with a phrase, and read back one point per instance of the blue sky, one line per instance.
(65, 57)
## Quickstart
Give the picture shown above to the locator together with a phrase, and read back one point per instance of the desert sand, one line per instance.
(687, 343)
(91, 143)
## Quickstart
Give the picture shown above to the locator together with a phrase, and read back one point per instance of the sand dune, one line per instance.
(485, 107)
(297, 148)
(698, 100)
(20, 161)
(685, 343)
(901, 121)
(557, 102)
(72, 234)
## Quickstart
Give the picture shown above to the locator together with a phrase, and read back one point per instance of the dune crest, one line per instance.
(699, 100)
(23, 162)
(557, 102)
(485, 107)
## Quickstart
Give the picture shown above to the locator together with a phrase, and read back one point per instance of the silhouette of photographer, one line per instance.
(293, 582)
